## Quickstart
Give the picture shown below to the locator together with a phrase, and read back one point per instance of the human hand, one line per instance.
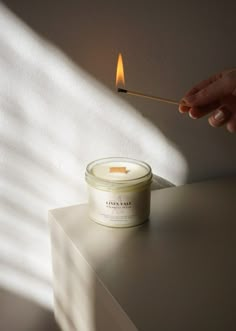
(216, 95)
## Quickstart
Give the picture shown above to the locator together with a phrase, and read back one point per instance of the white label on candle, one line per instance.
(119, 208)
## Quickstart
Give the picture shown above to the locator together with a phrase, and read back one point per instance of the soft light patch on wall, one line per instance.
(55, 118)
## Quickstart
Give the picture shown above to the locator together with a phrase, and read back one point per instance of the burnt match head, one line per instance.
(121, 90)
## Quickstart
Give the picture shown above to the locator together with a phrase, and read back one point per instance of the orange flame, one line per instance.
(120, 77)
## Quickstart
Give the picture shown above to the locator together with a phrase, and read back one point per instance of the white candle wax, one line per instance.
(119, 191)
(114, 171)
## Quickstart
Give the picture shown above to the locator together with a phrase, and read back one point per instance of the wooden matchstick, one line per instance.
(138, 94)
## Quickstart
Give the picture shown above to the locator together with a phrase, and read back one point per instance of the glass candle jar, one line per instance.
(119, 191)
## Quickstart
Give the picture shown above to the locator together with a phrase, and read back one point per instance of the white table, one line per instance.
(175, 272)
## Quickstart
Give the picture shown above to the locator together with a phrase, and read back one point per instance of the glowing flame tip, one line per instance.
(120, 77)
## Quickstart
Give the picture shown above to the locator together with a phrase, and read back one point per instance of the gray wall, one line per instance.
(167, 47)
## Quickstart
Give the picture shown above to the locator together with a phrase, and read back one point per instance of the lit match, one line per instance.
(138, 94)
(120, 80)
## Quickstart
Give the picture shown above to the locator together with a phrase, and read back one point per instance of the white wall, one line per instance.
(55, 118)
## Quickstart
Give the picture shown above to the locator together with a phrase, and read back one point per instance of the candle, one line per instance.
(119, 191)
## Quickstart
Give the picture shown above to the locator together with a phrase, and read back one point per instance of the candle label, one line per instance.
(119, 208)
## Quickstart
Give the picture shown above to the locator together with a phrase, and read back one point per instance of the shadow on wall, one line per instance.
(55, 119)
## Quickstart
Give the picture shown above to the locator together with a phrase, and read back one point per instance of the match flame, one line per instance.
(120, 77)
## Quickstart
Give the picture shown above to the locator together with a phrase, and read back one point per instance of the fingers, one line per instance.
(216, 95)
(183, 108)
(198, 112)
(203, 84)
(220, 116)
(231, 125)
(211, 90)
(209, 94)
(184, 105)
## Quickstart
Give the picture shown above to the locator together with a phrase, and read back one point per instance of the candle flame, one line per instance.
(120, 77)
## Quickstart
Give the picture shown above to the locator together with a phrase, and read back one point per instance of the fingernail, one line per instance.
(192, 116)
(219, 115)
(180, 110)
(210, 122)
(183, 108)
(231, 128)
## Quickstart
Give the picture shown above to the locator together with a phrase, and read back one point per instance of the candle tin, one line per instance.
(119, 191)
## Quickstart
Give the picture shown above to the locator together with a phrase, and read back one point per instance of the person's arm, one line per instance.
(215, 96)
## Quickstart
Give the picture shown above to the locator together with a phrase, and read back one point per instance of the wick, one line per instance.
(121, 90)
(119, 170)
